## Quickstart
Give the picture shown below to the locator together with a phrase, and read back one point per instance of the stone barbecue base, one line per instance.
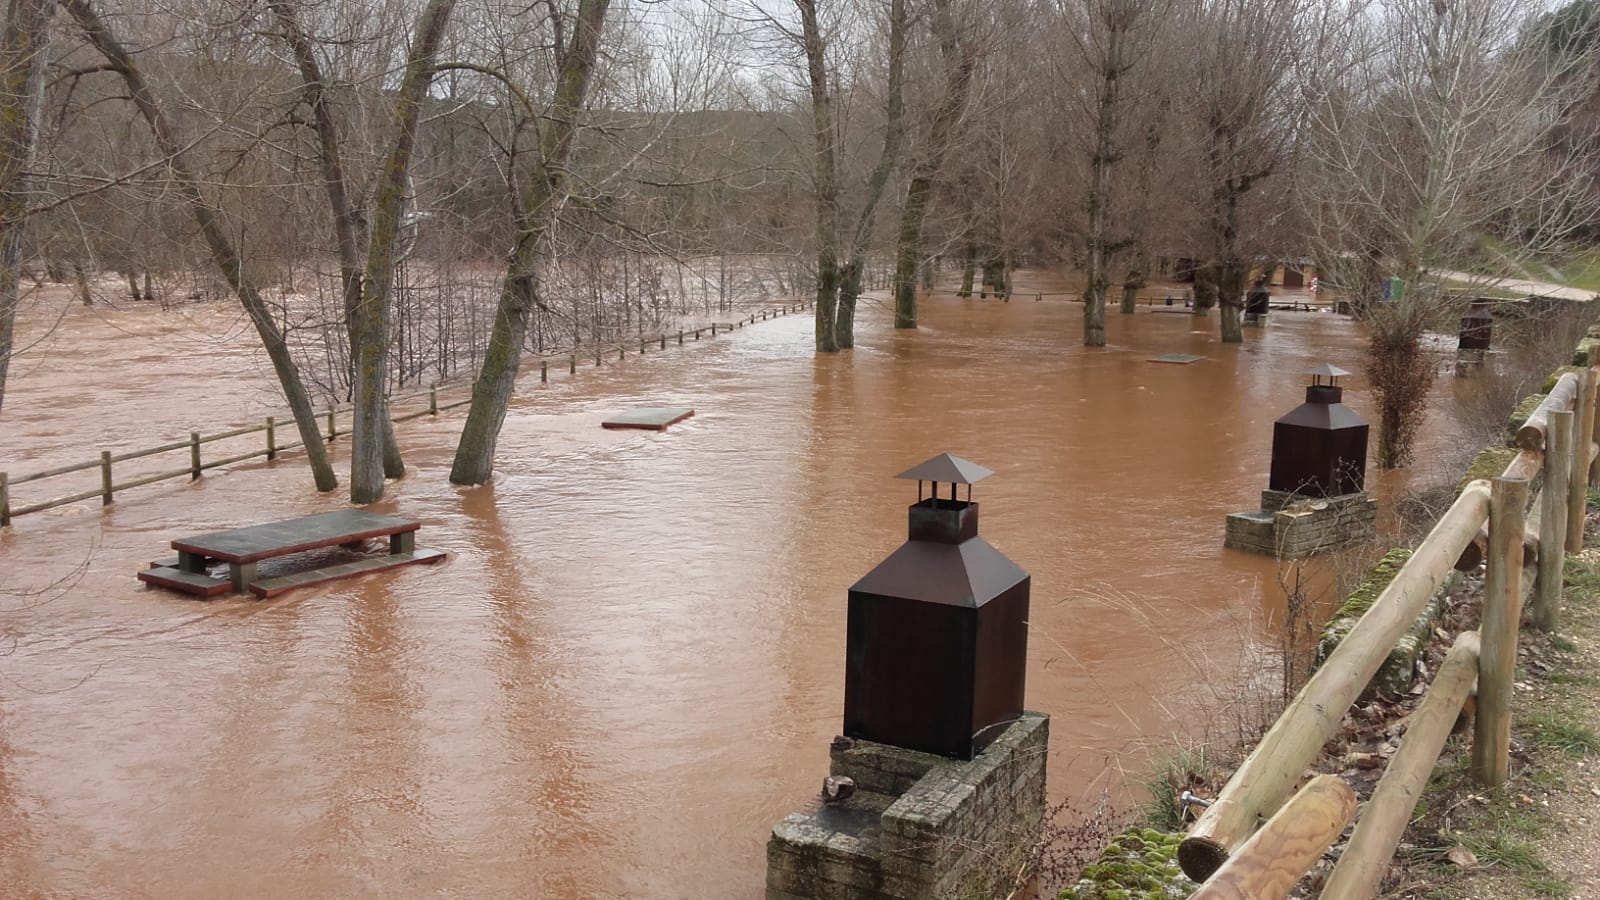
(1290, 527)
(919, 826)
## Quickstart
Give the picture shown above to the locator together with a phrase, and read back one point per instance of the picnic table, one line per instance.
(242, 548)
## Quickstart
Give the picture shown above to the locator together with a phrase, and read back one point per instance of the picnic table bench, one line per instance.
(243, 548)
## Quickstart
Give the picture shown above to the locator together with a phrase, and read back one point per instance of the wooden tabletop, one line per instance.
(245, 545)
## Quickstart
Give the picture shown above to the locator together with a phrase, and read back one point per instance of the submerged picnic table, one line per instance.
(243, 548)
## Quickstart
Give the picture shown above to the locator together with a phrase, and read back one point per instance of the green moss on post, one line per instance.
(1140, 864)
(1492, 461)
(1394, 677)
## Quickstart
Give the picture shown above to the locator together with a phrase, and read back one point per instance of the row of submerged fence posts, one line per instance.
(1225, 850)
(109, 487)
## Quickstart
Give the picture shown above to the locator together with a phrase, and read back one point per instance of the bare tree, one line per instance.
(1111, 38)
(825, 177)
(371, 326)
(959, 59)
(23, 53)
(209, 217)
(1243, 106)
(541, 192)
(1438, 153)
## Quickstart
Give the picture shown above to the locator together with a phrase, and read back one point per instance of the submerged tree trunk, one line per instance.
(22, 60)
(969, 264)
(1230, 269)
(825, 180)
(371, 420)
(209, 219)
(1102, 163)
(948, 112)
(1205, 287)
(850, 281)
(349, 224)
(544, 191)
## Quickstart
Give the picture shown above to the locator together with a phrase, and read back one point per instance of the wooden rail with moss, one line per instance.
(1518, 556)
(197, 464)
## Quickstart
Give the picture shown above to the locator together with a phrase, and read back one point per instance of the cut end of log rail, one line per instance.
(1201, 857)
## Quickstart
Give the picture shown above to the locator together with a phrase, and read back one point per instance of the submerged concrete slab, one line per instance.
(1180, 359)
(649, 418)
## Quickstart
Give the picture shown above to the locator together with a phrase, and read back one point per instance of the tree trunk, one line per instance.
(948, 112)
(850, 281)
(849, 293)
(544, 191)
(1102, 163)
(371, 420)
(23, 55)
(968, 269)
(825, 180)
(349, 225)
(1130, 291)
(209, 219)
(1205, 287)
(908, 248)
(1231, 271)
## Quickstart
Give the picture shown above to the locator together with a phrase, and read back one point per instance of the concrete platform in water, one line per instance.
(649, 418)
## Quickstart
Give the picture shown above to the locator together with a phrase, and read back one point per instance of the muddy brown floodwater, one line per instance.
(631, 665)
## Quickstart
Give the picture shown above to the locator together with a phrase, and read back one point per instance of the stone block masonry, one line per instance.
(1290, 527)
(919, 826)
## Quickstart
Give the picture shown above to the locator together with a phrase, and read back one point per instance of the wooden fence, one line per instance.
(1488, 522)
(109, 487)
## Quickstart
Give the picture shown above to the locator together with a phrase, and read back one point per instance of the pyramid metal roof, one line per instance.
(967, 574)
(1326, 369)
(947, 469)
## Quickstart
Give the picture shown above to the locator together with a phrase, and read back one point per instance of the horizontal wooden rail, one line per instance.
(152, 451)
(60, 501)
(1563, 396)
(247, 429)
(1269, 865)
(152, 479)
(61, 470)
(1384, 820)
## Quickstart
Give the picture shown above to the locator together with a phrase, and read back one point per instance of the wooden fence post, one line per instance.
(433, 399)
(544, 371)
(1553, 521)
(105, 477)
(5, 500)
(713, 329)
(272, 439)
(1588, 414)
(622, 351)
(333, 426)
(194, 455)
(1584, 424)
(664, 342)
(572, 364)
(680, 337)
(641, 346)
(1502, 612)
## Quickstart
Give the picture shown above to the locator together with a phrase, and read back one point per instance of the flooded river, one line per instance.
(631, 665)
